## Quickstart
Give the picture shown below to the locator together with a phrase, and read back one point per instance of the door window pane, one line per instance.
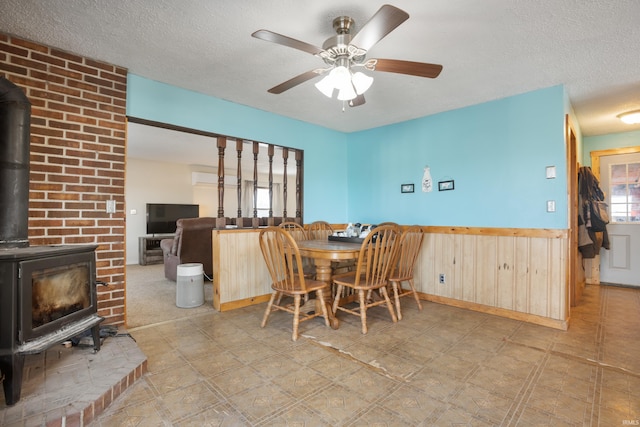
(634, 213)
(619, 193)
(624, 192)
(634, 193)
(634, 173)
(618, 174)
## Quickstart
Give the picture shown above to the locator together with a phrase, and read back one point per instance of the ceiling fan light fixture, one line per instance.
(361, 82)
(630, 117)
(342, 78)
(347, 93)
(348, 84)
(339, 78)
(326, 86)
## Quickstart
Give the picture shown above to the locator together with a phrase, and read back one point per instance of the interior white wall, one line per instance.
(151, 182)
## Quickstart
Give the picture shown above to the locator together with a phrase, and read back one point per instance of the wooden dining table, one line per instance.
(324, 252)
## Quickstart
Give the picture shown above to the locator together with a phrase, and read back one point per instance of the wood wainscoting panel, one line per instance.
(522, 277)
(486, 262)
(240, 275)
(558, 278)
(467, 269)
(538, 286)
(522, 272)
(515, 273)
(506, 272)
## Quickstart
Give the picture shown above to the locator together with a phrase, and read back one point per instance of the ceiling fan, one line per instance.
(345, 52)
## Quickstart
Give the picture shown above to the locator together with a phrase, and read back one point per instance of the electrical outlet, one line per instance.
(551, 205)
(441, 278)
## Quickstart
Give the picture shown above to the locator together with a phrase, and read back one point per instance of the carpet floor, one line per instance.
(151, 298)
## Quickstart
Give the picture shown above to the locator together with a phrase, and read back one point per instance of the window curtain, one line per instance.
(278, 207)
(247, 199)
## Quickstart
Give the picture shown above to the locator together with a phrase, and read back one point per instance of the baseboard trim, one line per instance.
(509, 314)
(619, 285)
(232, 305)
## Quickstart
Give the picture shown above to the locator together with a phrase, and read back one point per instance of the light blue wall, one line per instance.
(495, 152)
(324, 149)
(607, 142)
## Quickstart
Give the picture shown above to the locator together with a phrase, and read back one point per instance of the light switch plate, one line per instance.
(551, 172)
(111, 206)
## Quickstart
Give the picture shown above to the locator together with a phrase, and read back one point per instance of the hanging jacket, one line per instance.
(590, 193)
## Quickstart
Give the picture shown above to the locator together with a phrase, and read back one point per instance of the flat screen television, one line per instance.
(162, 217)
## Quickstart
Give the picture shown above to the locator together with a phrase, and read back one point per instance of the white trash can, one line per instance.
(190, 285)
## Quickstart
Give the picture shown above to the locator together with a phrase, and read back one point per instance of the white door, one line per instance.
(620, 180)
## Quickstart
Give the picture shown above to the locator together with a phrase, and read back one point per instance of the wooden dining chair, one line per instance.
(370, 294)
(389, 223)
(296, 230)
(375, 261)
(319, 230)
(281, 254)
(299, 233)
(408, 251)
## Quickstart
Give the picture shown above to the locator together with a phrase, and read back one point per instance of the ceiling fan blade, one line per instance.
(385, 20)
(420, 69)
(294, 81)
(357, 101)
(270, 36)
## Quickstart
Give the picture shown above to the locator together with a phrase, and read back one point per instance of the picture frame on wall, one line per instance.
(406, 188)
(445, 185)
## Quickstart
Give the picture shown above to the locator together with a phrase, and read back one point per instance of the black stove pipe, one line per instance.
(15, 121)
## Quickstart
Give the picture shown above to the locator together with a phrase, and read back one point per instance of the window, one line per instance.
(624, 183)
(262, 204)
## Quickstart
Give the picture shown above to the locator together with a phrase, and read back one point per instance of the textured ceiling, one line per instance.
(489, 49)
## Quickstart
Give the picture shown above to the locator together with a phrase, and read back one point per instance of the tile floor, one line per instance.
(441, 366)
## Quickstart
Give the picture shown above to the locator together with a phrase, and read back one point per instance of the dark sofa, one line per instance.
(191, 243)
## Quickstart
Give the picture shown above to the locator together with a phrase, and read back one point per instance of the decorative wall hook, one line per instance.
(427, 182)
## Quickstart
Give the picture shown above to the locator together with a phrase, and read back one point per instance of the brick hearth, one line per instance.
(71, 386)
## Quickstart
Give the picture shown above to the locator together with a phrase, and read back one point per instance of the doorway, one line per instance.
(575, 273)
(619, 174)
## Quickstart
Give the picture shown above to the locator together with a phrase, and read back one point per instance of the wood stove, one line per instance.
(47, 293)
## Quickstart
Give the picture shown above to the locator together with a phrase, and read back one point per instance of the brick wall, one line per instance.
(78, 131)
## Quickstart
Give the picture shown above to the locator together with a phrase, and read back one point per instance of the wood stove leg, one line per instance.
(11, 367)
(95, 333)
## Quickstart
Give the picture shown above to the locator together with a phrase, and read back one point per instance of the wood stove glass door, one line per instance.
(55, 291)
